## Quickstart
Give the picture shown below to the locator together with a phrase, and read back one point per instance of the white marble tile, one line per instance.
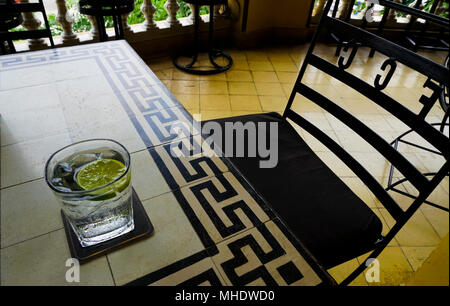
(26, 161)
(83, 88)
(75, 69)
(173, 239)
(28, 210)
(32, 124)
(121, 131)
(146, 178)
(32, 98)
(87, 113)
(42, 261)
(25, 77)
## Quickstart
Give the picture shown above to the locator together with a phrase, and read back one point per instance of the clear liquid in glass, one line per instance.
(99, 215)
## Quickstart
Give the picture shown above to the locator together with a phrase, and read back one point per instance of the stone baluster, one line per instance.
(440, 8)
(32, 23)
(363, 12)
(94, 27)
(392, 15)
(65, 20)
(126, 27)
(191, 15)
(172, 8)
(148, 9)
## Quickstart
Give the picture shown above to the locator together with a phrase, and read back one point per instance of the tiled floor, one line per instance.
(261, 80)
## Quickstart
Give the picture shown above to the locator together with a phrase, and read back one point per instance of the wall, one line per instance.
(272, 21)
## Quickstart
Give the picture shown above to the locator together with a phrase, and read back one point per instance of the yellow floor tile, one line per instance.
(239, 65)
(287, 66)
(302, 104)
(341, 272)
(335, 164)
(181, 75)
(185, 87)
(416, 232)
(255, 55)
(188, 101)
(417, 255)
(361, 190)
(438, 219)
(395, 269)
(260, 66)
(242, 88)
(239, 102)
(244, 112)
(287, 77)
(265, 76)
(208, 115)
(269, 89)
(282, 57)
(213, 77)
(237, 54)
(168, 84)
(213, 87)
(215, 102)
(239, 76)
(287, 88)
(165, 74)
(273, 103)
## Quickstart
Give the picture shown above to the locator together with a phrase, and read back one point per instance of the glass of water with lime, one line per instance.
(92, 181)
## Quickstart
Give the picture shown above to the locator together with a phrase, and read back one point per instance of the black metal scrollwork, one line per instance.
(355, 46)
(428, 102)
(393, 64)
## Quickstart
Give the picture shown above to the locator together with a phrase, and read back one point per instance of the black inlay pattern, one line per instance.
(207, 276)
(290, 273)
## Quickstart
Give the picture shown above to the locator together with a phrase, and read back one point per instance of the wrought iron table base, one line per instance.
(213, 54)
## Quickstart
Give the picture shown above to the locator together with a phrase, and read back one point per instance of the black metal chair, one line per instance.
(419, 38)
(444, 102)
(101, 8)
(10, 17)
(327, 217)
(213, 53)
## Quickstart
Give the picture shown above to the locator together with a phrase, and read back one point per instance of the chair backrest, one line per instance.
(10, 7)
(435, 74)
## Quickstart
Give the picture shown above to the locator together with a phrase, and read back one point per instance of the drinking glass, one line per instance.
(91, 180)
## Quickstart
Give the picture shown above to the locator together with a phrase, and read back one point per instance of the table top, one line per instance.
(210, 225)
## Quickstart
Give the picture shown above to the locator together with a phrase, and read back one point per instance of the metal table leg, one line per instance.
(213, 54)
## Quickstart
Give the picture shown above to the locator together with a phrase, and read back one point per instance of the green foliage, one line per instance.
(445, 12)
(82, 24)
(426, 8)
(359, 6)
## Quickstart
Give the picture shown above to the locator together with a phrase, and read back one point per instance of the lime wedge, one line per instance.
(102, 172)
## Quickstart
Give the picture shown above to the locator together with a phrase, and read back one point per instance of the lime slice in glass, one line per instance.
(102, 172)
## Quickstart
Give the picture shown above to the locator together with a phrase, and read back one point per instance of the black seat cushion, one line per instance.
(328, 218)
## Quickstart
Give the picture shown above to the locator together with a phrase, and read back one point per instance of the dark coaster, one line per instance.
(142, 228)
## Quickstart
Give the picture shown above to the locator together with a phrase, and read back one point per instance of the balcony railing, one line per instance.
(355, 10)
(150, 29)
